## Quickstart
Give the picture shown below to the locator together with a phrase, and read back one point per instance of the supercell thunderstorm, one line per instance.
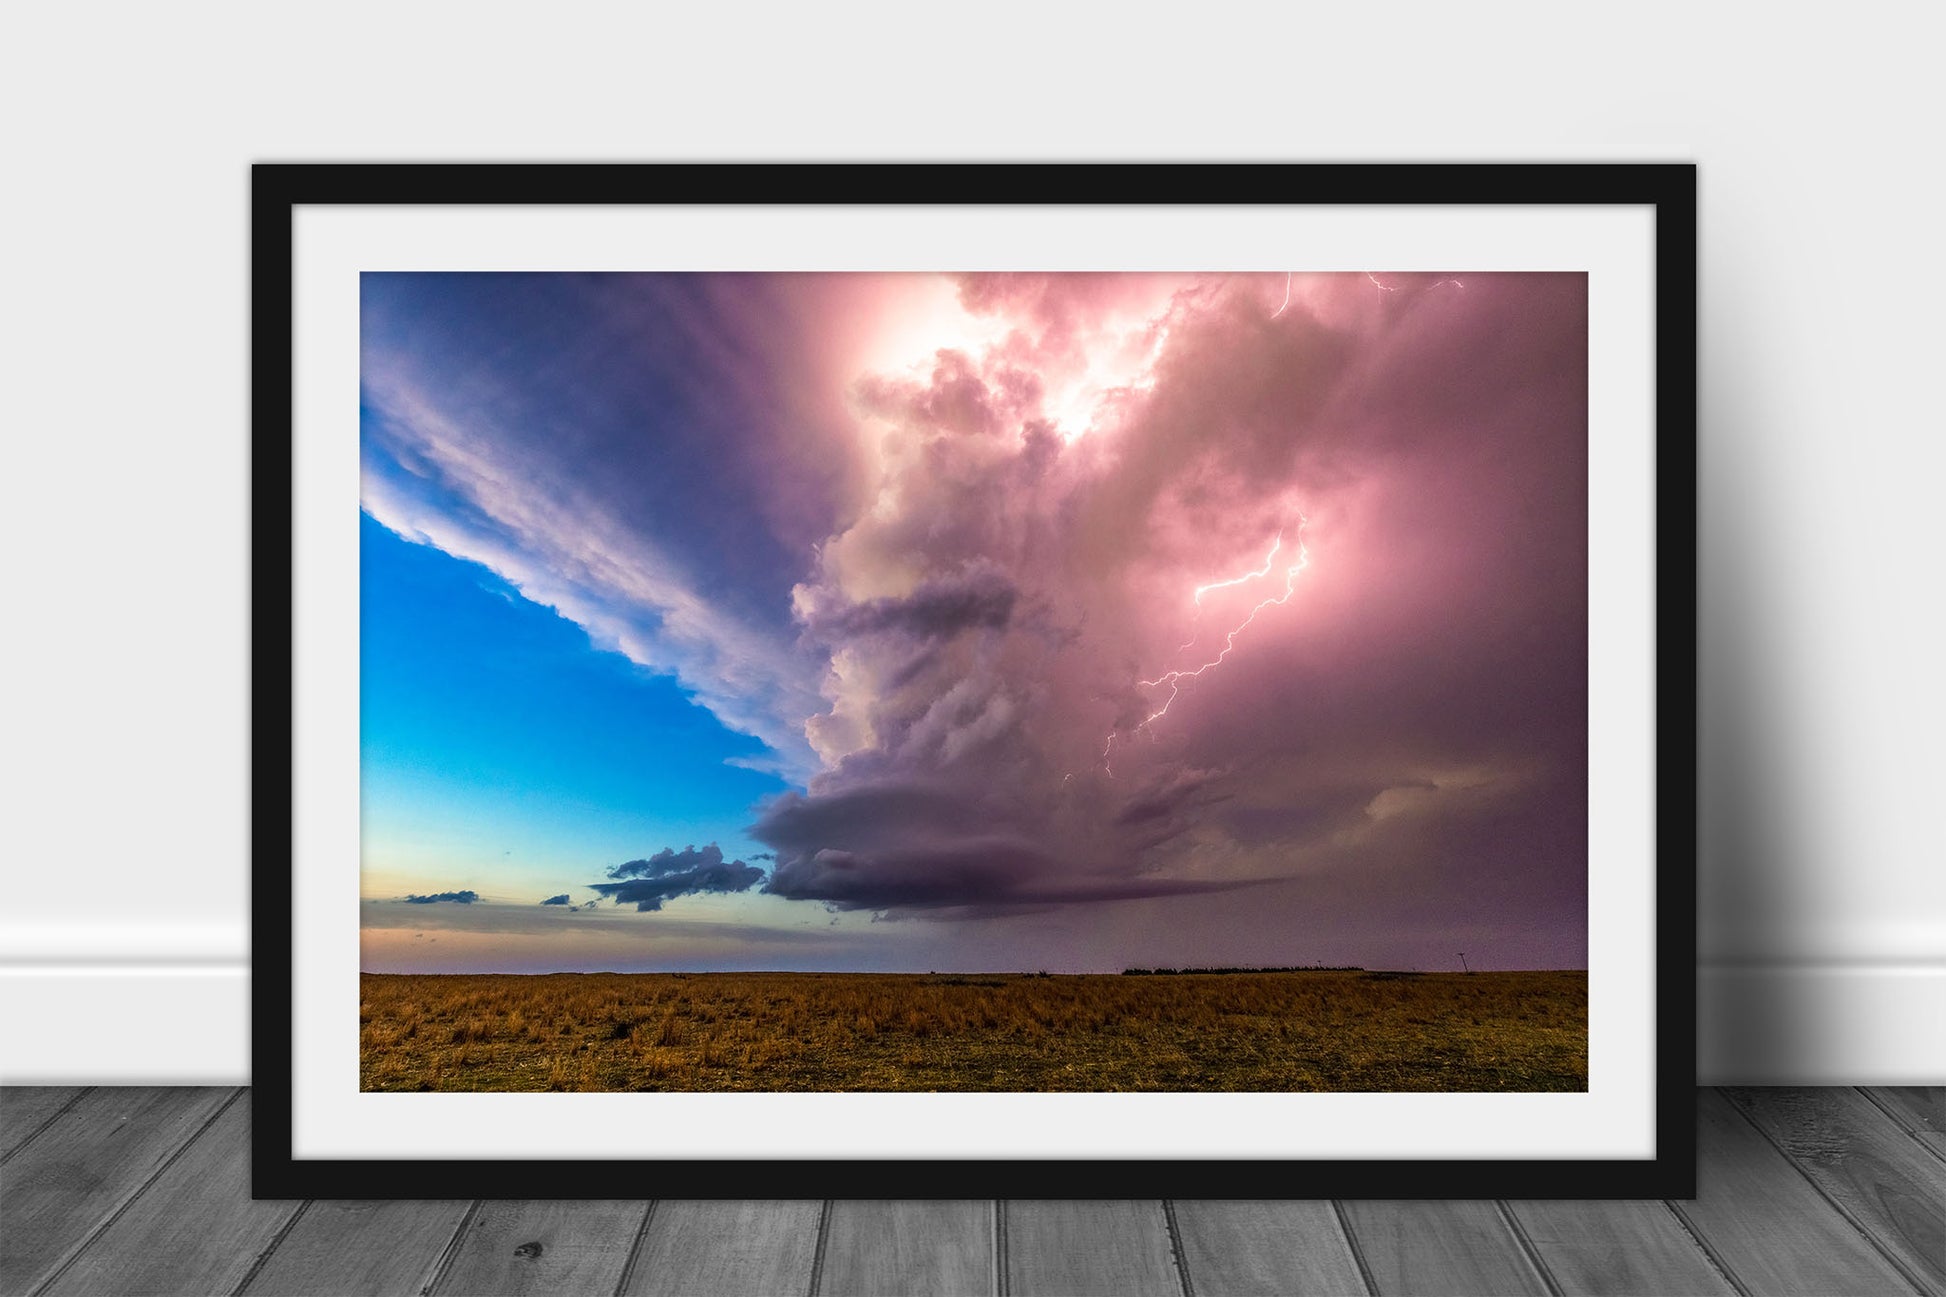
(1260, 598)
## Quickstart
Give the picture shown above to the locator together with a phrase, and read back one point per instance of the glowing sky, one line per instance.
(973, 622)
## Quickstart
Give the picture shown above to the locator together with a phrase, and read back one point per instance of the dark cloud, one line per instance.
(461, 898)
(979, 596)
(913, 874)
(670, 861)
(1167, 795)
(670, 873)
(977, 875)
(897, 847)
(562, 899)
(1417, 449)
(864, 817)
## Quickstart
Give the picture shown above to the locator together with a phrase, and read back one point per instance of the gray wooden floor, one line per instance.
(143, 1190)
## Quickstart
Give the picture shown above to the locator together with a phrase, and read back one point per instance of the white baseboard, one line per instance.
(189, 1024)
(1821, 1024)
(126, 1024)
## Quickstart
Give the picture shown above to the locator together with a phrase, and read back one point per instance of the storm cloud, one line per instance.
(562, 899)
(670, 873)
(1303, 581)
(1226, 612)
(459, 898)
(977, 597)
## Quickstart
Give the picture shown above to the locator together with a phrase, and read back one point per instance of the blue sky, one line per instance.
(503, 753)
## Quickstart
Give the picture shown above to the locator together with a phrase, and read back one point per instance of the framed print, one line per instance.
(974, 680)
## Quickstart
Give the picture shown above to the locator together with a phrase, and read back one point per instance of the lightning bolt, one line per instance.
(1175, 679)
(1377, 283)
(1393, 288)
(1287, 297)
(1196, 623)
(1275, 545)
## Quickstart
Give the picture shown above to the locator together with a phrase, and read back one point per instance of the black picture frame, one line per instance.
(279, 190)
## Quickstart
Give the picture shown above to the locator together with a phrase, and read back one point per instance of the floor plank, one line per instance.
(1921, 1109)
(1276, 1249)
(194, 1231)
(1618, 1249)
(143, 1190)
(548, 1249)
(89, 1162)
(364, 1247)
(888, 1248)
(1088, 1248)
(1890, 1187)
(1763, 1220)
(24, 1109)
(1440, 1249)
(757, 1248)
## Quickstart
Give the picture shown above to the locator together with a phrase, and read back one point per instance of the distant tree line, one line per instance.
(1289, 968)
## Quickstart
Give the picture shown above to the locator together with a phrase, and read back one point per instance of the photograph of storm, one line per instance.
(996, 636)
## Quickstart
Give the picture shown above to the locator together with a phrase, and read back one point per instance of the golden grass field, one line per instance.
(1302, 1030)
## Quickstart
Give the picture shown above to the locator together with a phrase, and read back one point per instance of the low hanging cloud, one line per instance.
(562, 899)
(433, 898)
(930, 847)
(669, 873)
(977, 596)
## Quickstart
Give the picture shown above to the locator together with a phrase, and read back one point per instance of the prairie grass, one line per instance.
(1279, 1031)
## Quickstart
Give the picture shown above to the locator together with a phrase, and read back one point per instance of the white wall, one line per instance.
(123, 927)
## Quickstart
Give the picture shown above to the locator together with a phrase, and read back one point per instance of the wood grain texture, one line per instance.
(543, 1249)
(757, 1248)
(360, 1247)
(1089, 1249)
(1776, 1234)
(1276, 1249)
(193, 1231)
(886, 1248)
(1920, 1109)
(1618, 1249)
(1440, 1249)
(1891, 1188)
(93, 1158)
(24, 1109)
(144, 1190)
